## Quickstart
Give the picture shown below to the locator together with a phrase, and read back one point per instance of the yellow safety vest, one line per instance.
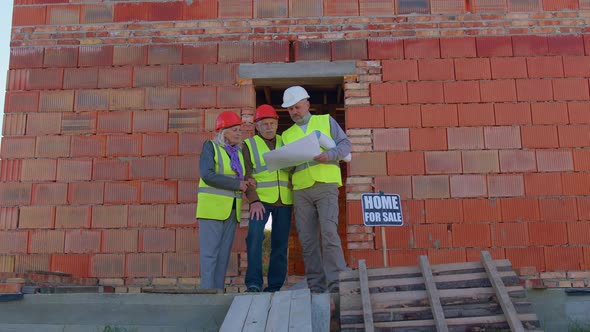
(308, 173)
(270, 186)
(215, 203)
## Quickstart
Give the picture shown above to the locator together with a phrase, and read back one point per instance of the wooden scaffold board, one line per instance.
(475, 296)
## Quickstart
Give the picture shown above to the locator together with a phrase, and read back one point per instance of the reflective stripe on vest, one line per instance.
(270, 186)
(305, 175)
(215, 203)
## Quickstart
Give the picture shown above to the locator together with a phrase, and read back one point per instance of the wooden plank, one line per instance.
(236, 315)
(365, 297)
(300, 313)
(401, 299)
(501, 264)
(479, 279)
(433, 296)
(320, 312)
(501, 293)
(258, 313)
(412, 325)
(279, 306)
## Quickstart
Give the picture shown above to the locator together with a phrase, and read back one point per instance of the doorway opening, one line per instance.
(326, 97)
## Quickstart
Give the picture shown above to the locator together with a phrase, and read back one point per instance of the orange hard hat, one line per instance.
(227, 119)
(265, 111)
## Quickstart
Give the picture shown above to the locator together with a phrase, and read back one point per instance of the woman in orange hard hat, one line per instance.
(219, 198)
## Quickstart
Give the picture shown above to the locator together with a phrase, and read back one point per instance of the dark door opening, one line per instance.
(326, 97)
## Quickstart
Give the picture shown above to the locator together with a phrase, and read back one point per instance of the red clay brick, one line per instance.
(473, 69)
(152, 121)
(72, 217)
(530, 45)
(578, 232)
(539, 137)
(400, 70)
(49, 193)
(114, 122)
(392, 139)
(525, 257)
(431, 236)
(565, 45)
(182, 265)
(146, 216)
(341, 8)
(123, 192)
(181, 215)
(462, 92)
(577, 112)
(510, 235)
(405, 163)
(110, 169)
(105, 266)
(85, 193)
(116, 77)
(574, 136)
(544, 67)
(147, 168)
(313, 50)
(570, 89)
(198, 97)
(564, 259)
(187, 240)
(556, 5)
(351, 49)
(82, 241)
(162, 98)
(93, 56)
(385, 48)
(520, 209)
(216, 74)
(14, 242)
(502, 137)
(36, 217)
(404, 257)
(38, 170)
(421, 48)
(491, 46)
(436, 70)
(187, 190)
(10, 170)
(554, 160)
(547, 233)
(543, 184)
(56, 101)
(45, 242)
(476, 114)
(402, 116)
(431, 186)
(509, 67)
(389, 93)
(498, 91)
(26, 57)
(91, 100)
(549, 113)
(28, 16)
(558, 209)
(581, 160)
(376, 7)
(439, 115)
(243, 96)
(63, 15)
(428, 139)
(487, 6)
(128, 145)
(364, 117)
(76, 265)
(465, 138)
(97, 13)
(60, 57)
(14, 124)
(199, 10)
(395, 238)
(158, 192)
(22, 101)
(401, 185)
(156, 240)
(88, 146)
(458, 47)
(368, 163)
(468, 186)
(517, 161)
(159, 144)
(442, 162)
(199, 52)
(413, 212)
(143, 265)
(43, 124)
(505, 185)
(85, 78)
(235, 9)
(41, 79)
(576, 184)
(74, 169)
(471, 235)
(235, 52)
(18, 147)
(150, 76)
(109, 216)
(576, 66)
(126, 55)
(481, 210)
(168, 11)
(446, 256)
(164, 54)
(354, 213)
(425, 92)
(185, 75)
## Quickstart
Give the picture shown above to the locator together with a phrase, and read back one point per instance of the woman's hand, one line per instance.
(322, 157)
(244, 185)
(257, 211)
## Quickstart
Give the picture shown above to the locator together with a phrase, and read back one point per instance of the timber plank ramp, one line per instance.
(293, 311)
(476, 296)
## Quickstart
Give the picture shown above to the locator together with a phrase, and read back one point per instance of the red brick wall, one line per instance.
(479, 121)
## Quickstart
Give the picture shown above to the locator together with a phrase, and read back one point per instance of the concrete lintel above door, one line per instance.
(294, 73)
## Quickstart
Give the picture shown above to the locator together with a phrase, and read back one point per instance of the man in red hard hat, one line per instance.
(219, 200)
(272, 196)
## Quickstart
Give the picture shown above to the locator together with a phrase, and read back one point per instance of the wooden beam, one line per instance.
(258, 313)
(501, 293)
(433, 296)
(237, 313)
(267, 95)
(366, 297)
(280, 305)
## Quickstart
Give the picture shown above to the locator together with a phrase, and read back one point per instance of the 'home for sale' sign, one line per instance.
(382, 210)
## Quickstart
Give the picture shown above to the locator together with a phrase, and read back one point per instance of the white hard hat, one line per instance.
(293, 95)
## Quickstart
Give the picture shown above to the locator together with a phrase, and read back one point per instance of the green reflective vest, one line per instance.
(270, 186)
(215, 203)
(306, 174)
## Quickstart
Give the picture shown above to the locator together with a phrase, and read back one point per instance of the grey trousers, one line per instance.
(215, 240)
(316, 219)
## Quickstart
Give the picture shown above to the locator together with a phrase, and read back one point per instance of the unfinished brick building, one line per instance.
(476, 112)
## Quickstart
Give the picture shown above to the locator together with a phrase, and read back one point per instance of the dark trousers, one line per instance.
(277, 268)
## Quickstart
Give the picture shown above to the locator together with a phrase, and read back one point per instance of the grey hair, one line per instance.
(220, 140)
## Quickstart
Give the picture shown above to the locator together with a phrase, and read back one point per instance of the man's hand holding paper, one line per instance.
(296, 153)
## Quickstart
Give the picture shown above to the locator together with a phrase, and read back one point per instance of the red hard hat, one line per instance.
(265, 111)
(227, 119)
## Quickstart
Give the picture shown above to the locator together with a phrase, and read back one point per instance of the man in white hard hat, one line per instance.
(315, 193)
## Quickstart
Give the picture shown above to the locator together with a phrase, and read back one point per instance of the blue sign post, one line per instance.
(382, 209)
